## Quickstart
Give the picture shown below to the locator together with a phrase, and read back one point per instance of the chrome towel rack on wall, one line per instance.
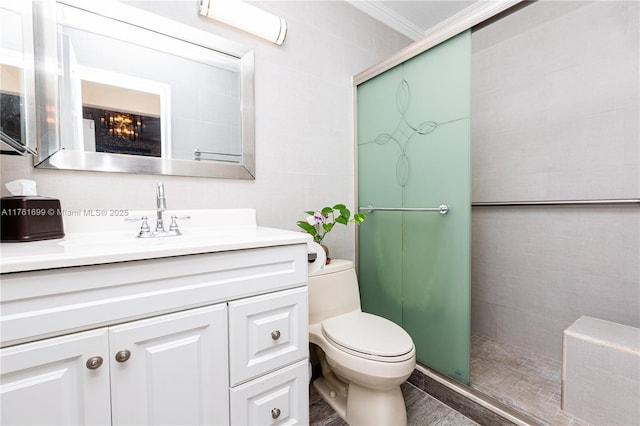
(443, 209)
(543, 203)
(199, 155)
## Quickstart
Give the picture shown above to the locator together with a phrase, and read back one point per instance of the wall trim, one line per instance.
(388, 17)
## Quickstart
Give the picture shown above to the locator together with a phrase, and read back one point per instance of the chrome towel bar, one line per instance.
(542, 203)
(443, 209)
(199, 155)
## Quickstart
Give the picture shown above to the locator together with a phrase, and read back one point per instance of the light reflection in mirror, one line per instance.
(120, 120)
(114, 62)
(200, 92)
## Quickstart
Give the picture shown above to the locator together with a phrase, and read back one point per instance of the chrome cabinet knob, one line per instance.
(275, 413)
(275, 334)
(123, 356)
(94, 362)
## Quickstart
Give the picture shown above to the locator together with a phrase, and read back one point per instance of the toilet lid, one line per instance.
(368, 334)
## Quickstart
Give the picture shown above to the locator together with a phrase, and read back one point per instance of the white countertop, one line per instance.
(120, 245)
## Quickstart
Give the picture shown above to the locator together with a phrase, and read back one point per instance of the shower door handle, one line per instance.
(443, 209)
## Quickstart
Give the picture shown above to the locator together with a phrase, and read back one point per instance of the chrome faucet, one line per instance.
(161, 202)
(161, 206)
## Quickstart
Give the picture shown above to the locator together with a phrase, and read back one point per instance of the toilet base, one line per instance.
(337, 402)
(365, 406)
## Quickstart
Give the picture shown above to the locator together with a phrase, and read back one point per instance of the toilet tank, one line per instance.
(333, 290)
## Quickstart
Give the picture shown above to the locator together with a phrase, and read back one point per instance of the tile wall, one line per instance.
(555, 117)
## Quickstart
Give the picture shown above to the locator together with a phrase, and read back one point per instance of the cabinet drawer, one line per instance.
(267, 332)
(277, 398)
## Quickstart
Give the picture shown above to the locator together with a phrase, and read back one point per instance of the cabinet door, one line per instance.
(267, 332)
(171, 369)
(279, 398)
(57, 381)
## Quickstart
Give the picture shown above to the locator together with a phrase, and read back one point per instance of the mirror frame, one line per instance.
(50, 152)
(23, 9)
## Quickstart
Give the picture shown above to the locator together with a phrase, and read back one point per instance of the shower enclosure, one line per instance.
(413, 127)
(555, 172)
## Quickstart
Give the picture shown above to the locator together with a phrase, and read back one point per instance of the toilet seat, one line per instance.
(369, 336)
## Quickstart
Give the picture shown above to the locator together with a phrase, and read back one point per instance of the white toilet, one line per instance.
(364, 358)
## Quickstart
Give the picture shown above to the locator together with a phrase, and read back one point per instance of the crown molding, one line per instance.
(378, 11)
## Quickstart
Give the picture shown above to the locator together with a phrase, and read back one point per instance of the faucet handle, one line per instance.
(173, 227)
(145, 231)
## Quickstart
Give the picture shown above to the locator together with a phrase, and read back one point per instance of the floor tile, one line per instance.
(525, 381)
(530, 383)
(422, 409)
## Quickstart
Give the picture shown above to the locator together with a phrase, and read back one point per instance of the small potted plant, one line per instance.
(320, 222)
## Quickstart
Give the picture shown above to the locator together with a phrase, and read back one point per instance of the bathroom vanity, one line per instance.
(205, 328)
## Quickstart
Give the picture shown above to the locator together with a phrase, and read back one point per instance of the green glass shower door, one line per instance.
(413, 124)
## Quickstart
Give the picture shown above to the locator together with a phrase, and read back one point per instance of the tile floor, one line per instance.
(422, 409)
(522, 380)
(525, 381)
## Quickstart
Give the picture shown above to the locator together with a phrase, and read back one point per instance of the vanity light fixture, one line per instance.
(246, 17)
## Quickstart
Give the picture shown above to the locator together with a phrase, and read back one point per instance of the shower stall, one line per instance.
(552, 118)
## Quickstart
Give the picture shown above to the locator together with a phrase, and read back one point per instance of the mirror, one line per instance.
(16, 78)
(120, 89)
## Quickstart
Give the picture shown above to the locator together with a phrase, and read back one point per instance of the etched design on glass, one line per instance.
(405, 131)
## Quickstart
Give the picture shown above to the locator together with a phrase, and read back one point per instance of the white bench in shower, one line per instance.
(601, 372)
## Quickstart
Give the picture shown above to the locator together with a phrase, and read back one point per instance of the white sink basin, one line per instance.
(96, 239)
(109, 239)
(202, 227)
(127, 241)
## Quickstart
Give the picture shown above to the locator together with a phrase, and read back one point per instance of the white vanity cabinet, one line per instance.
(213, 338)
(166, 369)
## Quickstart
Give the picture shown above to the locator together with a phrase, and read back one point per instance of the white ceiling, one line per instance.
(412, 18)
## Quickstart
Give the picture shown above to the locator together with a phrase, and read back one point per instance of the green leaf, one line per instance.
(306, 227)
(327, 211)
(342, 220)
(339, 213)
